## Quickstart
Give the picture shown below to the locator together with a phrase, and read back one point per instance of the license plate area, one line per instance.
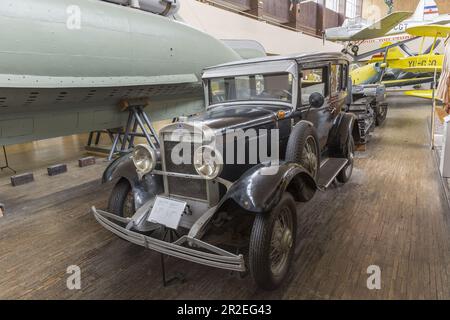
(167, 212)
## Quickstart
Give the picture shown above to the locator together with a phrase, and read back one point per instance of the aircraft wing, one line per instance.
(406, 82)
(424, 69)
(442, 22)
(425, 94)
(431, 30)
(381, 27)
(383, 49)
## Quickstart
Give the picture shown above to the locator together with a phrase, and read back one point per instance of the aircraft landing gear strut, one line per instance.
(353, 47)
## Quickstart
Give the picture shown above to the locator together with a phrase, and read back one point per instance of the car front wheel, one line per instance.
(121, 200)
(272, 244)
(303, 148)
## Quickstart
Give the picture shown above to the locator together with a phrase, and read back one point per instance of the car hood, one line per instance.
(227, 117)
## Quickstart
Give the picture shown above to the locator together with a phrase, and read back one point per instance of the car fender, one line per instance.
(143, 189)
(261, 188)
(122, 167)
(344, 125)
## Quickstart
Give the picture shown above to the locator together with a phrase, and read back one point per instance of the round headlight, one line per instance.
(208, 162)
(144, 158)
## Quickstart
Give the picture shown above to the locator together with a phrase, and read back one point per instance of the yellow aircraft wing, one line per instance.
(431, 30)
(406, 82)
(426, 63)
(425, 94)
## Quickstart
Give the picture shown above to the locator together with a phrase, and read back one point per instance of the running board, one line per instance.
(329, 170)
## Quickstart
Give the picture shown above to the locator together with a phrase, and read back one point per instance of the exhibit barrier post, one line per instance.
(433, 109)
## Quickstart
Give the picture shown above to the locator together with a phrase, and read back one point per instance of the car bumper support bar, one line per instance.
(218, 257)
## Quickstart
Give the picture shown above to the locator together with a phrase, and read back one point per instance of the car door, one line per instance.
(338, 86)
(316, 79)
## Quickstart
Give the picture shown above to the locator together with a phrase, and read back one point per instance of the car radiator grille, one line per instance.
(185, 187)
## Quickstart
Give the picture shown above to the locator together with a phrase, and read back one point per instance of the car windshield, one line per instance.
(270, 87)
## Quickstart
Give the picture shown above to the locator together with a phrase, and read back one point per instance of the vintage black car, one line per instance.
(220, 202)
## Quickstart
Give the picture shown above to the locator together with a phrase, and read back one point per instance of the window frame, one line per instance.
(334, 6)
(325, 79)
(342, 75)
(351, 8)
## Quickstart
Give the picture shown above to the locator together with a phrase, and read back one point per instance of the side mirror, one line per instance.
(316, 100)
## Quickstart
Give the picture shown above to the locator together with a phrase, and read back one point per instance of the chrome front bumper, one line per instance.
(218, 257)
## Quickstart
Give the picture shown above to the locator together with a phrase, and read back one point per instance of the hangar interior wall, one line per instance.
(311, 16)
(276, 40)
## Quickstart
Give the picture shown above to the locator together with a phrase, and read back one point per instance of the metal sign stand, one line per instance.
(179, 277)
(6, 166)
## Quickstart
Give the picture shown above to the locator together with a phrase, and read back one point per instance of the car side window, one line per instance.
(313, 80)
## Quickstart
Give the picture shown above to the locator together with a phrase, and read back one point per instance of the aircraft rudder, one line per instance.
(427, 10)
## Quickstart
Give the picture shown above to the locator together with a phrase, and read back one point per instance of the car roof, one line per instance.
(299, 58)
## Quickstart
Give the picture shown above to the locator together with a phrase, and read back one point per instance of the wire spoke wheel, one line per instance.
(351, 159)
(346, 172)
(309, 156)
(272, 243)
(128, 205)
(121, 200)
(381, 114)
(281, 242)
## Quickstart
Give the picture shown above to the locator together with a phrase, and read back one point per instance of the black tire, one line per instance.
(295, 151)
(381, 114)
(121, 201)
(266, 273)
(346, 173)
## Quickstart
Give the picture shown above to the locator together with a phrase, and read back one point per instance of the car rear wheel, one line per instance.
(345, 174)
(272, 244)
(121, 200)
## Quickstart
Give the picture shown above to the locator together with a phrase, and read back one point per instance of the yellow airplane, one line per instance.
(422, 63)
(436, 32)
(394, 68)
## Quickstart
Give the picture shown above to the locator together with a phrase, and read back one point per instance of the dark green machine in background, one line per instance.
(67, 64)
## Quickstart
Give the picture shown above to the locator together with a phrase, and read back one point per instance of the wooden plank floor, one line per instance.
(392, 214)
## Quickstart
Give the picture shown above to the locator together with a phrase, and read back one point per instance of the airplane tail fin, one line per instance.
(393, 54)
(427, 10)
